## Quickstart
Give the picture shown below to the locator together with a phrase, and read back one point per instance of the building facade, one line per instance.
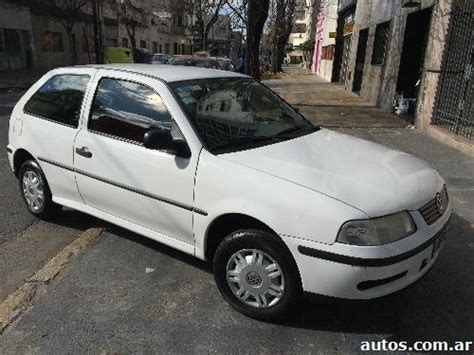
(325, 38)
(164, 29)
(219, 37)
(411, 57)
(16, 44)
(30, 39)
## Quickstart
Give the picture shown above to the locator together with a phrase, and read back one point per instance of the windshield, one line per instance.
(232, 114)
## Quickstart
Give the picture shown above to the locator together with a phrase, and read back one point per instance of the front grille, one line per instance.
(435, 208)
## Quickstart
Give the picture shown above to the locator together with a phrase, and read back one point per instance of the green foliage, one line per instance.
(307, 46)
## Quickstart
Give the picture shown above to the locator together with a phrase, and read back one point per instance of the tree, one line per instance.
(206, 13)
(132, 17)
(307, 48)
(237, 10)
(66, 12)
(277, 33)
(257, 14)
(285, 10)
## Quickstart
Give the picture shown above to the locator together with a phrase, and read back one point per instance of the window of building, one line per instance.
(175, 48)
(11, 38)
(327, 52)
(125, 42)
(155, 47)
(142, 44)
(160, 49)
(380, 43)
(2, 43)
(126, 110)
(59, 99)
(111, 42)
(52, 42)
(167, 48)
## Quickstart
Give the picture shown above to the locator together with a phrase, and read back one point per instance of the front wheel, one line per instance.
(256, 274)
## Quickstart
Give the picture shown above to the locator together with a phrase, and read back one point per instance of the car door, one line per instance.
(49, 125)
(117, 175)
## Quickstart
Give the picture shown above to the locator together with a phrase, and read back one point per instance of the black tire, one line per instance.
(48, 209)
(252, 239)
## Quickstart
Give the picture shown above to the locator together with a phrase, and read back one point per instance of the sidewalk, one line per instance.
(328, 104)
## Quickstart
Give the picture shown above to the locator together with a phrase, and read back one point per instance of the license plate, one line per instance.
(439, 242)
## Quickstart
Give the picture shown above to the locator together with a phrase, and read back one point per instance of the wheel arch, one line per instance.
(224, 224)
(20, 156)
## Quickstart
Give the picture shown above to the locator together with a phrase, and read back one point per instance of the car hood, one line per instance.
(365, 175)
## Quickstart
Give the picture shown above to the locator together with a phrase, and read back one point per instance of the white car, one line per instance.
(218, 166)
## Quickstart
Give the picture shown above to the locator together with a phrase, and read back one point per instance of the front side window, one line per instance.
(127, 110)
(59, 99)
(232, 114)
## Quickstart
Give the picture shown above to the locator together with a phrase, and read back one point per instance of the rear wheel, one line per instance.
(256, 274)
(35, 191)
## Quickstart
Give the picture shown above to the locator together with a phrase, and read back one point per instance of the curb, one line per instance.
(22, 300)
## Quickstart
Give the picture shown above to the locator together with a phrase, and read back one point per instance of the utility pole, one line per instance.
(98, 38)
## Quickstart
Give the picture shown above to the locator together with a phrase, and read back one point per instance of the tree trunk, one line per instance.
(257, 15)
(133, 38)
(202, 35)
(275, 58)
(72, 46)
(277, 35)
(281, 54)
(287, 27)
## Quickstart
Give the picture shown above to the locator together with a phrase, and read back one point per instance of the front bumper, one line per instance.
(354, 272)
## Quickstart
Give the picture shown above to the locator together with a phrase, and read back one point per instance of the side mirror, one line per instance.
(161, 139)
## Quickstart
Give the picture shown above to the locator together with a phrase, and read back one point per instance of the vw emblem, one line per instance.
(439, 203)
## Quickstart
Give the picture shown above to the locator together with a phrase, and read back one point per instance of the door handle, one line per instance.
(84, 151)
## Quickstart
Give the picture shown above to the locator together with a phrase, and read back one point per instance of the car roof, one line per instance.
(166, 72)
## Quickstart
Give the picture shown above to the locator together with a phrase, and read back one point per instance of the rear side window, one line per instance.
(126, 110)
(59, 99)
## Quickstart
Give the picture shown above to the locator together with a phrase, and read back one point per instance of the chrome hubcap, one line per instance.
(255, 278)
(33, 190)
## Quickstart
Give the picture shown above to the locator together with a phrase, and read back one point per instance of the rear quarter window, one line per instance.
(59, 99)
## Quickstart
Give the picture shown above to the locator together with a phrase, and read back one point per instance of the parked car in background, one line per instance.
(160, 58)
(225, 63)
(118, 55)
(142, 55)
(192, 61)
(216, 165)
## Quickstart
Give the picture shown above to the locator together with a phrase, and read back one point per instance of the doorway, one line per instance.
(412, 58)
(360, 60)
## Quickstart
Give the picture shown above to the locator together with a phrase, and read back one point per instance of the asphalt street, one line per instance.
(126, 293)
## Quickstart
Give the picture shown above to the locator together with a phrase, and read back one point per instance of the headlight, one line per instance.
(377, 231)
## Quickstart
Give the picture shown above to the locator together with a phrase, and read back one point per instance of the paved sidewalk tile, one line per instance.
(328, 104)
